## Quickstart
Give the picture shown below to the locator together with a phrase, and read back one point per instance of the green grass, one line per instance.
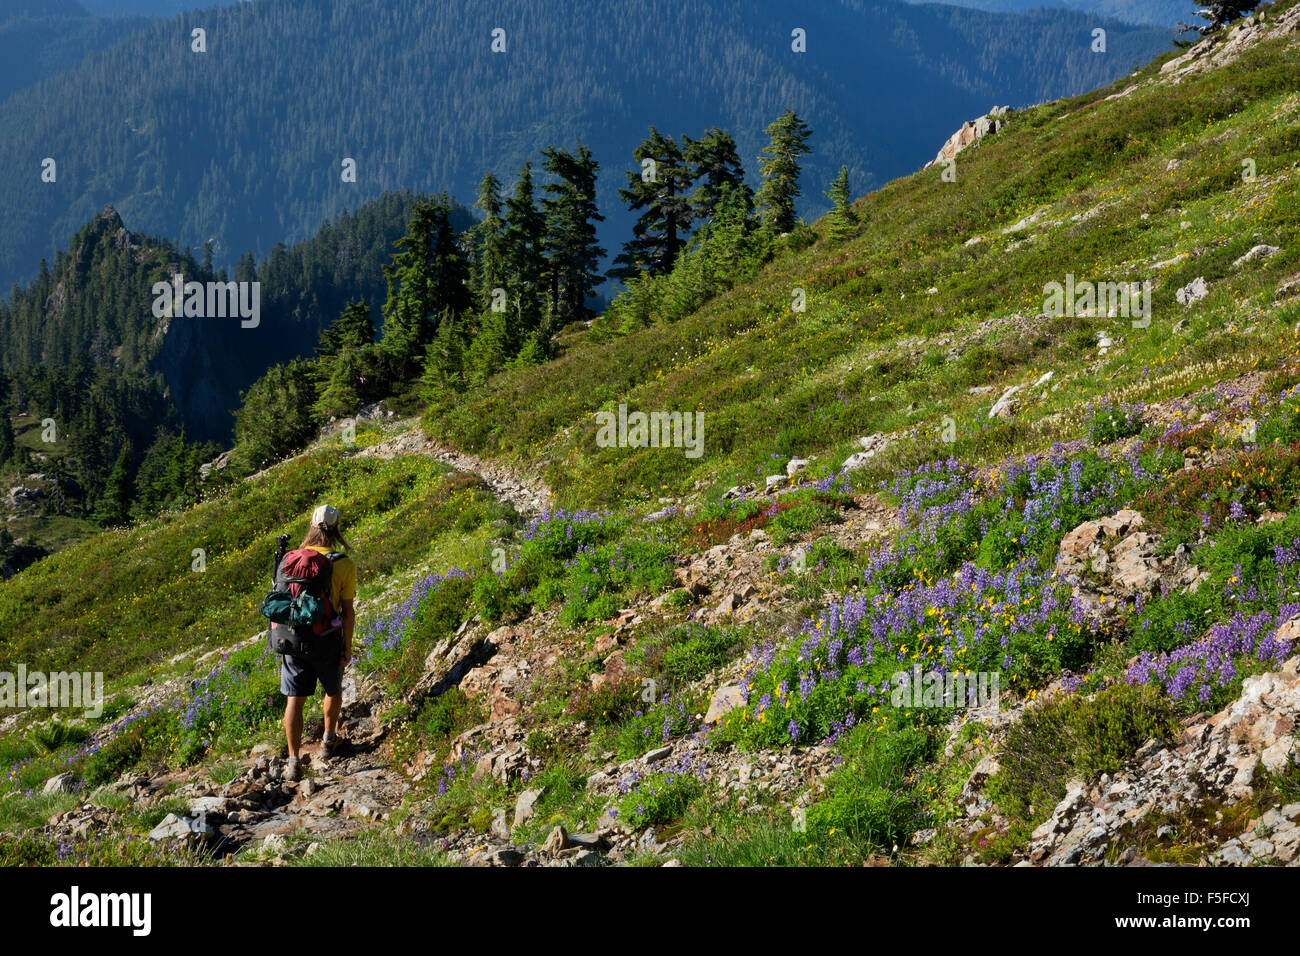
(21, 812)
(116, 850)
(127, 599)
(380, 848)
(728, 835)
(771, 382)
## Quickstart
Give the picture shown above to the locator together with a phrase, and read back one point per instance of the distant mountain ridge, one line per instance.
(1166, 13)
(243, 144)
(39, 38)
(94, 307)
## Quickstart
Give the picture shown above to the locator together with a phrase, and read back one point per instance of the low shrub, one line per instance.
(1072, 736)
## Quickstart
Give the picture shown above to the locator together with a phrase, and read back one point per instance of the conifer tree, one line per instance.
(1218, 14)
(489, 240)
(353, 329)
(426, 278)
(114, 505)
(787, 142)
(572, 253)
(6, 424)
(715, 166)
(524, 242)
(339, 396)
(842, 218)
(444, 363)
(658, 187)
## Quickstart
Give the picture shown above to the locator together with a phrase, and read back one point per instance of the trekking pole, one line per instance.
(282, 547)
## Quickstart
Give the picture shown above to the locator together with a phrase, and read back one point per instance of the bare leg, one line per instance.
(333, 706)
(293, 724)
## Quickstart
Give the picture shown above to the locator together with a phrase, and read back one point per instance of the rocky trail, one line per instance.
(277, 818)
(529, 496)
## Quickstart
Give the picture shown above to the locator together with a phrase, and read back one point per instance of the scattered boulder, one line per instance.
(526, 805)
(557, 841)
(497, 856)
(1194, 291)
(656, 755)
(499, 828)
(201, 806)
(1111, 559)
(1256, 252)
(971, 796)
(872, 445)
(725, 699)
(218, 465)
(61, 783)
(188, 829)
(1005, 406)
(971, 132)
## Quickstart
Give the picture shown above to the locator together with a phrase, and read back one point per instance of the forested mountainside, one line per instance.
(1164, 13)
(82, 346)
(41, 37)
(244, 144)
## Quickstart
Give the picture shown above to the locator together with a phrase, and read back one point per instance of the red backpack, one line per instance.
(299, 606)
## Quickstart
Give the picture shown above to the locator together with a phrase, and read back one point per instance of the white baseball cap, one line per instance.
(326, 515)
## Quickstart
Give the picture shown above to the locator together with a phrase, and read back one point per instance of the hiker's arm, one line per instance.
(349, 618)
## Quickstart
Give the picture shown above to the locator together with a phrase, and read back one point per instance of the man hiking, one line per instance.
(300, 672)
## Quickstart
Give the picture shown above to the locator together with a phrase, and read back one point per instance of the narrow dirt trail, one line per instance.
(529, 496)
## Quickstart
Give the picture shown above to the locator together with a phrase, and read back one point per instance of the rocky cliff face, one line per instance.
(971, 132)
(204, 371)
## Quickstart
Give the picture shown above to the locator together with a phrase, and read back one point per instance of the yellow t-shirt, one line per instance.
(343, 580)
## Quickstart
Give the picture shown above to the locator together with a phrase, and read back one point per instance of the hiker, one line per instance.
(299, 673)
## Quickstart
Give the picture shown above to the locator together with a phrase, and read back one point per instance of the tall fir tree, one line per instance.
(842, 218)
(353, 329)
(658, 187)
(426, 278)
(490, 244)
(114, 505)
(6, 424)
(1218, 14)
(787, 143)
(715, 166)
(7, 451)
(338, 397)
(525, 242)
(444, 363)
(572, 253)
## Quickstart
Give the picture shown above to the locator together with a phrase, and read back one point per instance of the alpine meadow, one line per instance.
(691, 435)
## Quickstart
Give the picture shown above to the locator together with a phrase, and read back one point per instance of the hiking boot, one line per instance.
(329, 747)
(292, 769)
